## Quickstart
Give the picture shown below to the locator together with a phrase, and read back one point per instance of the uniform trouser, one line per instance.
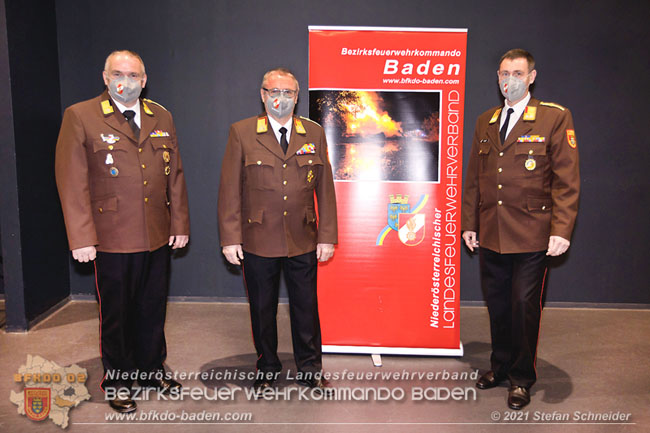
(132, 290)
(513, 286)
(262, 278)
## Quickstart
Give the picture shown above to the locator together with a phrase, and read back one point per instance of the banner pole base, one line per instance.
(376, 359)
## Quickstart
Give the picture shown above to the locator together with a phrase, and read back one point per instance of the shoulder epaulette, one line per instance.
(154, 102)
(552, 104)
(309, 120)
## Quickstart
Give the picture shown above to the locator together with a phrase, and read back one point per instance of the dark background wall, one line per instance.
(205, 59)
(36, 276)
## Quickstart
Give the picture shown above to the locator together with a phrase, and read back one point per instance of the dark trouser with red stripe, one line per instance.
(262, 276)
(513, 285)
(132, 290)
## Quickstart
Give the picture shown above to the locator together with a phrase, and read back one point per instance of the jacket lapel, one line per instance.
(114, 118)
(148, 122)
(297, 137)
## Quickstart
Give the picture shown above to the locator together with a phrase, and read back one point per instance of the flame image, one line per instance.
(364, 117)
(376, 135)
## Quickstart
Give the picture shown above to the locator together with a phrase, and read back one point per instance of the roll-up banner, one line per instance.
(391, 102)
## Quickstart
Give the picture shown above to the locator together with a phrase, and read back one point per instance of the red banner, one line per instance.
(391, 102)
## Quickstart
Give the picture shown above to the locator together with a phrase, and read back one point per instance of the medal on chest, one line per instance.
(530, 163)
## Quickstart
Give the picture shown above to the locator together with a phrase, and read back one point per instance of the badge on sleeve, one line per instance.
(571, 138)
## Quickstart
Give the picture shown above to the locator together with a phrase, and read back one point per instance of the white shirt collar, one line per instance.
(135, 108)
(277, 125)
(518, 108)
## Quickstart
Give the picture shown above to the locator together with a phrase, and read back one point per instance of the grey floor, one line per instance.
(591, 361)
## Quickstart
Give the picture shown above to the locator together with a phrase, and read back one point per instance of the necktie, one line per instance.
(283, 139)
(504, 128)
(129, 115)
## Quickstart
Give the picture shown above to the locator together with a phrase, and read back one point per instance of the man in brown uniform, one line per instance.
(273, 166)
(122, 190)
(521, 197)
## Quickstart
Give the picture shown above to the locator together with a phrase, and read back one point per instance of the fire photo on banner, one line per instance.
(391, 103)
(380, 136)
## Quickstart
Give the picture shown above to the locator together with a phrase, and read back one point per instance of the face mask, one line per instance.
(280, 107)
(513, 88)
(124, 89)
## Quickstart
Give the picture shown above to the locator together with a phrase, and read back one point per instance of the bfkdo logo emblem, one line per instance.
(37, 403)
(406, 221)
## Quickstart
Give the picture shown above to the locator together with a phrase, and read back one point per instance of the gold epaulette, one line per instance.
(154, 102)
(552, 104)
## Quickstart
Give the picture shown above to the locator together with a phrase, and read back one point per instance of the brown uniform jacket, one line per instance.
(119, 194)
(266, 198)
(520, 192)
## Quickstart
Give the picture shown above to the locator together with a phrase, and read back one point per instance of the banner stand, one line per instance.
(391, 103)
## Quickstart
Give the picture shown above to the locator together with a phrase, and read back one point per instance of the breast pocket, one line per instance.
(309, 168)
(111, 159)
(483, 154)
(259, 171)
(530, 159)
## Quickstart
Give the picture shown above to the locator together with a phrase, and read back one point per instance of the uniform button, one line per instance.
(500, 186)
(101, 210)
(164, 146)
(144, 166)
(284, 213)
(543, 207)
(500, 170)
(530, 152)
(499, 202)
(145, 182)
(110, 147)
(285, 197)
(249, 220)
(259, 162)
(140, 149)
(500, 153)
(284, 165)
(146, 199)
(284, 182)
(310, 161)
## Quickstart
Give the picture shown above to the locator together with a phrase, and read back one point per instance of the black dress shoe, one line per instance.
(318, 384)
(518, 397)
(489, 380)
(261, 385)
(164, 385)
(123, 404)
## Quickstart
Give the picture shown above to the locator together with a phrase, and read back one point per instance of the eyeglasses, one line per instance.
(277, 92)
(117, 74)
(517, 74)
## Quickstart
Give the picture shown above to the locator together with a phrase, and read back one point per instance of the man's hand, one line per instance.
(85, 254)
(470, 240)
(178, 241)
(324, 252)
(233, 254)
(557, 246)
